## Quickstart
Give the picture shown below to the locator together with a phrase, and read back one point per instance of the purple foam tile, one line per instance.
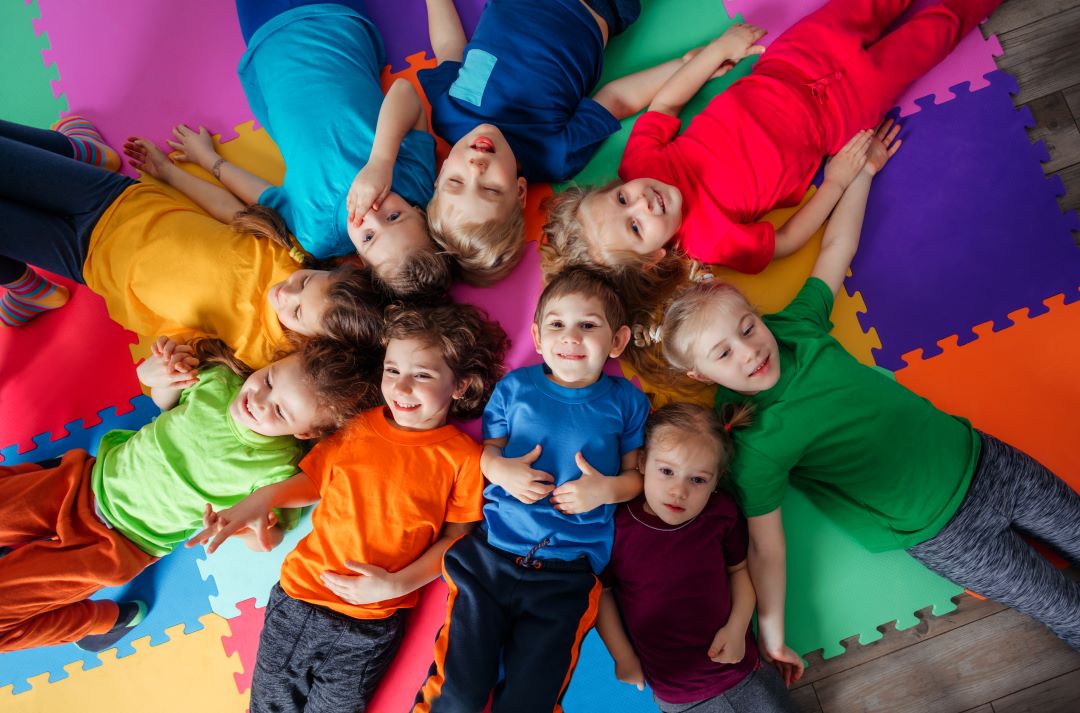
(404, 26)
(962, 227)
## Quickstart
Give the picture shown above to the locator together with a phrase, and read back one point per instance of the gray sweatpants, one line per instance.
(981, 547)
(762, 691)
(313, 659)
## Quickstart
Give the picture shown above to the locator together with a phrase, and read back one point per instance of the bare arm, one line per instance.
(167, 371)
(427, 567)
(594, 489)
(198, 148)
(628, 95)
(515, 475)
(445, 31)
(215, 200)
(610, 628)
(743, 598)
(767, 562)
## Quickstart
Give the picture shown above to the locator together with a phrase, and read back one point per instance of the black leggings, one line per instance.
(49, 202)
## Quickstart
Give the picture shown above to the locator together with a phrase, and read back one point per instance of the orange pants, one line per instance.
(69, 554)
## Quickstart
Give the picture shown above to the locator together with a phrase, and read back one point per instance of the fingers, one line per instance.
(361, 568)
(225, 531)
(530, 457)
(583, 464)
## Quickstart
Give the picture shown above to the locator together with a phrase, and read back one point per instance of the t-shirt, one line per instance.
(876, 457)
(311, 75)
(385, 495)
(165, 267)
(153, 484)
(674, 593)
(604, 421)
(528, 69)
(753, 148)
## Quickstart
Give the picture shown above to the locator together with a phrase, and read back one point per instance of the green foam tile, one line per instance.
(25, 91)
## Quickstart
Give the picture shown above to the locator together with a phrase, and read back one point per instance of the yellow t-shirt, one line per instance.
(164, 266)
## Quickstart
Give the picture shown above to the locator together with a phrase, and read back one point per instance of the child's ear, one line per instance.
(463, 386)
(305, 435)
(698, 377)
(641, 460)
(523, 190)
(535, 330)
(619, 341)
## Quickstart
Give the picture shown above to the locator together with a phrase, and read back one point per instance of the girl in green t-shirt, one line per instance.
(883, 462)
(90, 523)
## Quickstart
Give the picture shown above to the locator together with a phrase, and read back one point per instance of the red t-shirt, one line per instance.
(674, 593)
(755, 147)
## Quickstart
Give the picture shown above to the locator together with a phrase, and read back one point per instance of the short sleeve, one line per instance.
(466, 501)
(759, 483)
(590, 124)
(319, 463)
(436, 81)
(748, 248)
(651, 133)
(736, 540)
(813, 304)
(414, 170)
(494, 422)
(633, 435)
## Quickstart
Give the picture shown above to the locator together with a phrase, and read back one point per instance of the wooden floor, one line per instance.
(982, 658)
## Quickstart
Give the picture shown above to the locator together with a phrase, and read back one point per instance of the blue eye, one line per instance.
(368, 236)
(394, 216)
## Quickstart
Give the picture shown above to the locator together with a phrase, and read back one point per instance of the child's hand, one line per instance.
(588, 492)
(374, 584)
(845, 164)
(786, 661)
(517, 477)
(251, 516)
(169, 366)
(369, 189)
(629, 671)
(882, 147)
(739, 42)
(145, 156)
(196, 147)
(728, 646)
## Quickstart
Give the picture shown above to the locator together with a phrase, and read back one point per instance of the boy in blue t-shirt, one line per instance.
(514, 102)
(560, 449)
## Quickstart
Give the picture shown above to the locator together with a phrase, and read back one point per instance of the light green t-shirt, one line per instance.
(153, 484)
(879, 459)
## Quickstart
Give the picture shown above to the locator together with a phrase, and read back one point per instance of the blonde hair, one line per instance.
(485, 252)
(687, 310)
(693, 418)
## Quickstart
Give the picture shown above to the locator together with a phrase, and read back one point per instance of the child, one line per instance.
(161, 263)
(757, 145)
(514, 102)
(560, 446)
(888, 466)
(311, 74)
(395, 488)
(678, 575)
(91, 523)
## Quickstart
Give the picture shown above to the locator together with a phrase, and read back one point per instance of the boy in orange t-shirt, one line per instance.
(395, 488)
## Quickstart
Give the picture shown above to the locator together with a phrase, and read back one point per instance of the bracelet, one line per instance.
(216, 168)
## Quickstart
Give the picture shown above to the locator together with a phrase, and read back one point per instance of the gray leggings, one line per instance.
(981, 547)
(762, 691)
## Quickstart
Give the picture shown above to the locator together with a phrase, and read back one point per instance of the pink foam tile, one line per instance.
(244, 640)
(972, 59)
(137, 67)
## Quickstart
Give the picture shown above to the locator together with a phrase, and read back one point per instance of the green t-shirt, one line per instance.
(153, 484)
(877, 458)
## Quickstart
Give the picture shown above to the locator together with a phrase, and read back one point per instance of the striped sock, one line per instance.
(29, 296)
(87, 143)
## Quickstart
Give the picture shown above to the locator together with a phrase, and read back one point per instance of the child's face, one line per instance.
(418, 385)
(575, 339)
(734, 348)
(277, 401)
(680, 469)
(639, 216)
(300, 301)
(387, 235)
(478, 181)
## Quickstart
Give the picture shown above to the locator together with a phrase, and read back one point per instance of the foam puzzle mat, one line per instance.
(966, 262)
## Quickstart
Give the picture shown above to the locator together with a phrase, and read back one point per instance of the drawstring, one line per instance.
(527, 561)
(819, 88)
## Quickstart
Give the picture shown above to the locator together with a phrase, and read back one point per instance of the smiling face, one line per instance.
(418, 385)
(639, 216)
(681, 469)
(278, 401)
(478, 181)
(387, 235)
(733, 347)
(576, 340)
(301, 301)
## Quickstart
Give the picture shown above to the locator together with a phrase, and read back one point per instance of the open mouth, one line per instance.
(483, 144)
(405, 406)
(660, 200)
(761, 368)
(572, 357)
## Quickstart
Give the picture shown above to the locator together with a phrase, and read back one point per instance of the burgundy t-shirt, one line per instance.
(674, 592)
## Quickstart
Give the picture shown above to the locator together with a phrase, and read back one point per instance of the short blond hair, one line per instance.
(688, 310)
(485, 252)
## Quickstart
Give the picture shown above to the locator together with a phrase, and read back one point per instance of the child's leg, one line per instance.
(27, 295)
(312, 659)
(554, 612)
(470, 641)
(762, 691)
(47, 139)
(981, 547)
(71, 554)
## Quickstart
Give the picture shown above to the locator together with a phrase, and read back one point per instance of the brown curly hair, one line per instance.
(422, 274)
(472, 346)
(486, 252)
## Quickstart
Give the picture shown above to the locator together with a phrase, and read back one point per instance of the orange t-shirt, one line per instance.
(385, 495)
(164, 266)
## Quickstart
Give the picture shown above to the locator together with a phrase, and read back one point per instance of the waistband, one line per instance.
(528, 561)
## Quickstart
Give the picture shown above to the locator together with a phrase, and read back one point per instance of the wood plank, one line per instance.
(1072, 98)
(968, 609)
(806, 700)
(1055, 125)
(1012, 15)
(956, 671)
(1070, 176)
(987, 708)
(1043, 56)
(1058, 695)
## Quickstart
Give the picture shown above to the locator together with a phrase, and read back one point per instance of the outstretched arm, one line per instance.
(767, 560)
(198, 148)
(628, 95)
(610, 627)
(445, 31)
(145, 156)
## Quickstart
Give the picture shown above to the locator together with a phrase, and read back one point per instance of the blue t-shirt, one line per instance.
(604, 421)
(311, 75)
(528, 69)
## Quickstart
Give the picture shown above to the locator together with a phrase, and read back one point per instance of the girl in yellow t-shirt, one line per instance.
(166, 263)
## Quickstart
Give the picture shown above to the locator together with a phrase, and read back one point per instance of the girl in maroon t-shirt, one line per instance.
(678, 577)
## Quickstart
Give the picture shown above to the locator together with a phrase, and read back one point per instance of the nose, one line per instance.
(403, 385)
(478, 165)
(572, 335)
(677, 490)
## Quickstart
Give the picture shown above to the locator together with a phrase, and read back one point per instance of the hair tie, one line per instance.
(645, 335)
(727, 427)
